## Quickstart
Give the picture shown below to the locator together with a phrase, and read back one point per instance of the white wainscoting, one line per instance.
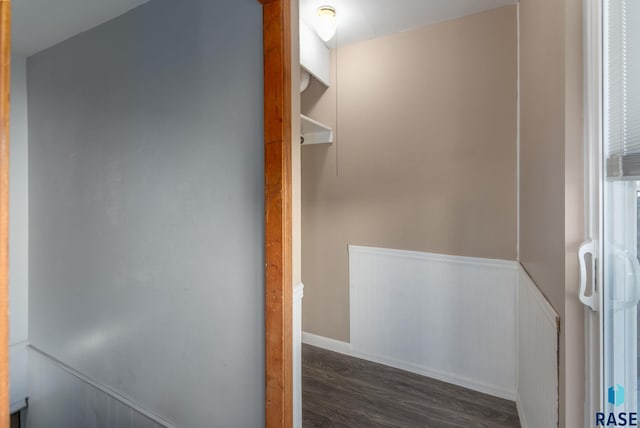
(446, 317)
(298, 293)
(537, 399)
(18, 376)
(61, 397)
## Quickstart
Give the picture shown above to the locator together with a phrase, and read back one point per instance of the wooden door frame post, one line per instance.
(5, 85)
(278, 228)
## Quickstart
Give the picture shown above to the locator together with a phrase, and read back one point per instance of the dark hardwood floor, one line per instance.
(15, 420)
(339, 391)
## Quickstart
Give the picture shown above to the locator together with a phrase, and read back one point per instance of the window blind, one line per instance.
(622, 89)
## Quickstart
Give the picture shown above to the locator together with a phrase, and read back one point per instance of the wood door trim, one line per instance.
(278, 227)
(5, 85)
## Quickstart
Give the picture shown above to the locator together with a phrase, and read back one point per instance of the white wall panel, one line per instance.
(18, 375)
(18, 234)
(447, 317)
(537, 357)
(314, 55)
(63, 400)
(298, 293)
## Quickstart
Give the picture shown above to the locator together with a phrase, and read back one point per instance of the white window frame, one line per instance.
(593, 131)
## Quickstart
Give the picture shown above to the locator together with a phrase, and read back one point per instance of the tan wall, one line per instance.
(551, 162)
(573, 326)
(542, 145)
(425, 157)
(296, 178)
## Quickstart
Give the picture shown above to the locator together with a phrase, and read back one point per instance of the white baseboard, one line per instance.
(298, 293)
(345, 348)
(520, 409)
(440, 375)
(326, 343)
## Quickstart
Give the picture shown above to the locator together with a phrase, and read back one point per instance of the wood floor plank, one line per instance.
(339, 391)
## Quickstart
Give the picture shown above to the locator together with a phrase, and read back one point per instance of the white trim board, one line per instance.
(542, 303)
(445, 258)
(520, 410)
(326, 343)
(518, 130)
(18, 375)
(298, 293)
(443, 376)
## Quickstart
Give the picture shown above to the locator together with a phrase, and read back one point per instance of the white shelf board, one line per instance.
(315, 56)
(315, 132)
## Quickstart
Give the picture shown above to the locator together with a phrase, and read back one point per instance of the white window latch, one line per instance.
(591, 299)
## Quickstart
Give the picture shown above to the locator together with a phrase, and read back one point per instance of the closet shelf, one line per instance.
(314, 132)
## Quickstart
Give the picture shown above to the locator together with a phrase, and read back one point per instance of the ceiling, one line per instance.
(360, 20)
(39, 24)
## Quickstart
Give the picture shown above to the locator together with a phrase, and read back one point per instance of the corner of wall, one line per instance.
(296, 170)
(19, 233)
(575, 212)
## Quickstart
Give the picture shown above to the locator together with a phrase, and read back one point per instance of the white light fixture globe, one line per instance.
(305, 79)
(326, 25)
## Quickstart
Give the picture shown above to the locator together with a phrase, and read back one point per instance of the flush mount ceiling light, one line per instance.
(326, 25)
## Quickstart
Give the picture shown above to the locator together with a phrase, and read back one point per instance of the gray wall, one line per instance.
(19, 233)
(146, 194)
